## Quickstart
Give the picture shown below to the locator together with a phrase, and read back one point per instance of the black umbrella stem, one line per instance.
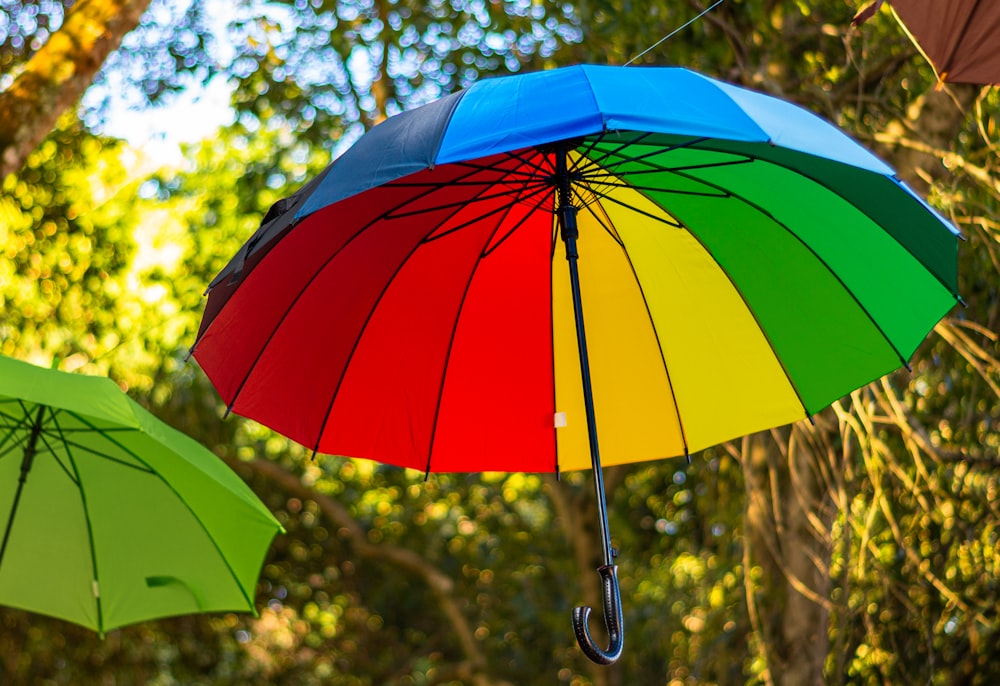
(26, 461)
(608, 571)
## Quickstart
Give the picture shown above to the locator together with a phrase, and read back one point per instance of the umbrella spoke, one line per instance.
(651, 168)
(600, 162)
(364, 326)
(142, 466)
(541, 192)
(826, 265)
(663, 220)
(71, 469)
(617, 159)
(57, 455)
(604, 221)
(533, 172)
(543, 198)
(466, 201)
(535, 168)
(498, 177)
(609, 227)
(13, 439)
(658, 189)
(451, 339)
(252, 365)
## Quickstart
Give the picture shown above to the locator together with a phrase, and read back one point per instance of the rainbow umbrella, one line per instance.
(484, 282)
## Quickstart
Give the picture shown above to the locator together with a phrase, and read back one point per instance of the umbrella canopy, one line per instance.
(111, 517)
(959, 37)
(741, 264)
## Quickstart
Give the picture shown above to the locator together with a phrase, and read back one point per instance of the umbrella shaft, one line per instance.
(570, 233)
(26, 462)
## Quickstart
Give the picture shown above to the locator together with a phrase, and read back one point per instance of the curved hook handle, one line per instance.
(612, 620)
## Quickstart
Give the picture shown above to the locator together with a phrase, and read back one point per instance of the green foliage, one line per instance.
(24, 27)
(67, 238)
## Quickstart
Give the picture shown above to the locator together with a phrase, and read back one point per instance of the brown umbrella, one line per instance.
(960, 38)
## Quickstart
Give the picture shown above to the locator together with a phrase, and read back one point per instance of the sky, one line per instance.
(158, 132)
(193, 115)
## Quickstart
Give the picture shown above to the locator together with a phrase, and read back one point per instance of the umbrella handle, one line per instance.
(612, 620)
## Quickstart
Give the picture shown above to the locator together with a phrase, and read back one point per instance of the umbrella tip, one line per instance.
(687, 455)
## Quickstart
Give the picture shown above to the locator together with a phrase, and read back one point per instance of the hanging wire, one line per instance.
(679, 28)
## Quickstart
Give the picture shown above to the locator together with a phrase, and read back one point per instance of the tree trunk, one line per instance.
(918, 145)
(57, 75)
(787, 517)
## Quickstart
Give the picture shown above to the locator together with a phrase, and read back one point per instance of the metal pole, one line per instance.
(570, 234)
(608, 571)
(26, 462)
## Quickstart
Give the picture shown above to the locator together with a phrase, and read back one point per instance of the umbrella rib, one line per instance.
(453, 184)
(536, 160)
(763, 331)
(462, 203)
(451, 345)
(42, 436)
(536, 192)
(728, 193)
(56, 456)
(614, 178)
(659, 168)
(607, 226)
(601, 163)
(10, 438)
(542, 197)
(260, 353)
(364, 327)
(945, 66)
(656, 189)
(681, 225)
(519, 192)
(820, 183)
(86, 517)
(142, 466)
(826, 265)
(514, 171)
(652, 324)
(604, 196)
(156, 475)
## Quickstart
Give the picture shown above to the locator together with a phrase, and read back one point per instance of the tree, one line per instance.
(55, 76)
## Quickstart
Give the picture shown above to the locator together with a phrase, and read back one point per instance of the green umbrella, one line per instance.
(110, 517)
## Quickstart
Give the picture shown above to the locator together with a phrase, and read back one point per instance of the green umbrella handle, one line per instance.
(612, 620)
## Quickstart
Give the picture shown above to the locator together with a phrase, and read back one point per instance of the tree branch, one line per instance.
(57, 75)
(440, 583)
